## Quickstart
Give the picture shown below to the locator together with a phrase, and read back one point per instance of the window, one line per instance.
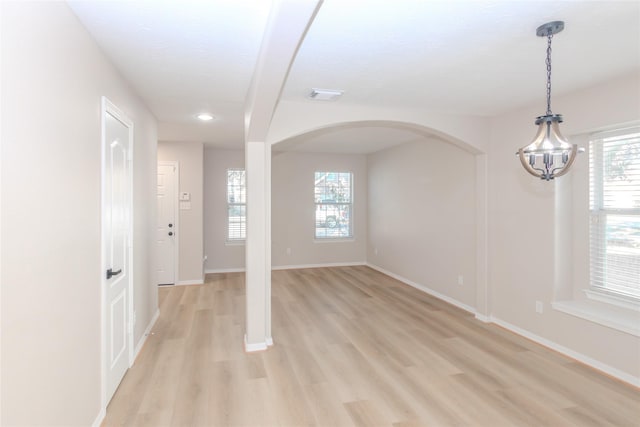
(334, 205)
(236, 205)
(614, 203)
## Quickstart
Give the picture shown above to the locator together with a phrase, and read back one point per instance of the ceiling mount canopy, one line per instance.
(550, 154)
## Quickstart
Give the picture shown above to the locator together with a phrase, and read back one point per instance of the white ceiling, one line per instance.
(462, 57)
(183, 58)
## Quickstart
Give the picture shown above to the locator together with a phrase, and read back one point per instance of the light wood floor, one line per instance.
(353, 347)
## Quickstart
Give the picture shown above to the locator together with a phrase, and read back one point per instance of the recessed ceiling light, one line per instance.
(205, 117)
(325, 94)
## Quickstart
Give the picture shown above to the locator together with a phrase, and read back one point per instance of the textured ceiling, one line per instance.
(462, 57)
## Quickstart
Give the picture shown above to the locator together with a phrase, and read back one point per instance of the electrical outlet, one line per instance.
(375, 251)
(460, 279)
(539, 307)
(288, 251)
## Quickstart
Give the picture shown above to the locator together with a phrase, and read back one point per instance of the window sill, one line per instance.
(335, 240)
(625, 321)
(234, 243)
(630, 303)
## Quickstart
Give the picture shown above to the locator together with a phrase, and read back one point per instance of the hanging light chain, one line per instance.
(549, 37)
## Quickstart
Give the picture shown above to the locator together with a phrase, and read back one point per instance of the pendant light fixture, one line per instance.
(549, 155)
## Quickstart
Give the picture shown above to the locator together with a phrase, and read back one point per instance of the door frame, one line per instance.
(176, 216)
(109, 107)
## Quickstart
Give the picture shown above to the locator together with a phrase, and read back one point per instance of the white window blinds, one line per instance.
(614, 199)
(236, 205)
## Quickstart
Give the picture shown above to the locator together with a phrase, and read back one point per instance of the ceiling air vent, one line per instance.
(325, 94)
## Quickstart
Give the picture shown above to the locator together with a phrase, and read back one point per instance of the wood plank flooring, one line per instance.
(353, 348)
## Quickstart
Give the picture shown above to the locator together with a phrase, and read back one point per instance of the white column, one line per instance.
(256, 246)
(287, 26)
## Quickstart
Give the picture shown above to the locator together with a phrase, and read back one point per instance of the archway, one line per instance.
(421, 132)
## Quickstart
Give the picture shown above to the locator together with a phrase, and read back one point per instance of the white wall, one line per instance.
(422, 216)
(523, 218)
(53, 77)
(292, 215)
(220, 254)
(190, 157)
(293, 209)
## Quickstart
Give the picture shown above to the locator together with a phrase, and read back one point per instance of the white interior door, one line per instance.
(116, 210)
(167, 226)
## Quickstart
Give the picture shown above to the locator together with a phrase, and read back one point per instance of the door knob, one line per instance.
(171, 233)
(170, 225)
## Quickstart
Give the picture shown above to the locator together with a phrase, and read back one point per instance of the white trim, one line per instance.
(109, 107)
(628, 302)
(424, 289)
(349, 239)
(483, 318)
(268, 262)
(145, 335)
(616, 131)
(100, 418)
(332, 239)
(190, 282)
(176, 216)
(329, 264)
(250, 348)
(1, 244)
(602, 288)
(239, 241)
(224, 270)
(609, 370)
(289, 267)
(600, 316)
(103, 297)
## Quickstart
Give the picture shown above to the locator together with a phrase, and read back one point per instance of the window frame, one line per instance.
(230, 205)
(336, 204)
(599, 213)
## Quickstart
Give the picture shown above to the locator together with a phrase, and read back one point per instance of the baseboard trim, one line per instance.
(609, 370)
(250, 348)
(145, 335)
(190, 282)
(100, 418)
(289, 267)
(424, 289)
(224, 270)
(329, 264)
(599, 366)
(483, 318)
